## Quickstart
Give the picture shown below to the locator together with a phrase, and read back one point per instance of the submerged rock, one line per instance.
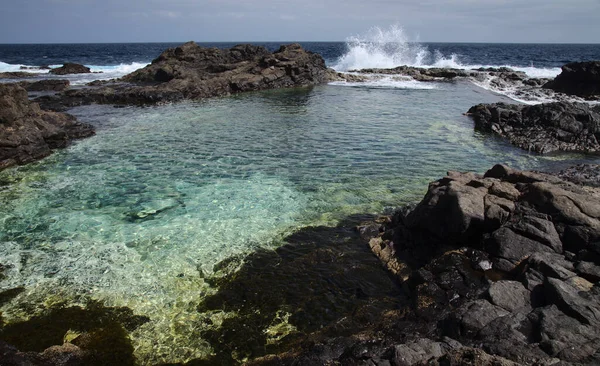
(193, 72)
(70, 68)
(497, 281)
(543, 128)
(27, 133)
(578, 78)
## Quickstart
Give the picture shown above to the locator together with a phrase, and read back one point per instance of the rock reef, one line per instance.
(578, 78)
(193, 72)
(543, 128)
(27, 133)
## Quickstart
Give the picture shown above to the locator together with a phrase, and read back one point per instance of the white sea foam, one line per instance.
(389, 48)
(388, 82)
(99, 72)
(4, 67)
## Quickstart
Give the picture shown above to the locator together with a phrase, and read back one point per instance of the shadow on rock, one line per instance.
(323, 278)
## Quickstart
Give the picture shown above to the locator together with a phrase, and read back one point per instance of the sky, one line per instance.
(88, 21)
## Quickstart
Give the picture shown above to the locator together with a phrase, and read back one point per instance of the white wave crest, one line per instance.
(380, 48)
(4, 67)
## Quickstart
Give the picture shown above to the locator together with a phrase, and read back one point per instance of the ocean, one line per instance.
(141, 214)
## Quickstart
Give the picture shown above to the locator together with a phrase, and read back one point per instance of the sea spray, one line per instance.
(388, 48)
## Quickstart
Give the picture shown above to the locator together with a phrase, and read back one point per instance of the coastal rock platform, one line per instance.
(193, 72)
(27, 133)
(542, 128)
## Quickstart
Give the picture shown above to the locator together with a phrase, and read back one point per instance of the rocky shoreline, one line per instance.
(501, 268)
(494, 269)
(28, 133)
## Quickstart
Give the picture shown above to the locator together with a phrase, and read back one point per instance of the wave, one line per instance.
(99, 72)
(389, 48)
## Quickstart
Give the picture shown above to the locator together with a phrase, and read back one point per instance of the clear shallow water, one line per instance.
(139, 214)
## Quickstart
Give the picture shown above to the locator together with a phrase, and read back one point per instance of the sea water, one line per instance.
(140, 214)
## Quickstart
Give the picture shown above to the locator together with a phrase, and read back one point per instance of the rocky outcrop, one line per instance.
(500, 269)
(46, 85)
(70, 68)
(544, 128)
(193, 72)
(578, 78)
(27, 133)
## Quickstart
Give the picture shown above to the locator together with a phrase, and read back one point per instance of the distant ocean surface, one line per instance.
(140, 214)
(117, 59)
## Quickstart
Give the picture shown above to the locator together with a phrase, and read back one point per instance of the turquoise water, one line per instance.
(139, 214)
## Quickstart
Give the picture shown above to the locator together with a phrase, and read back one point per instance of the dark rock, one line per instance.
(469, 356)
(470, 318)
(16, 75)
(46, 85)
(70, 68)
(578, 78)
(27, 133)
(589, 271)
(543, 128)
(568, 300)
(193, 72)
(584, 174)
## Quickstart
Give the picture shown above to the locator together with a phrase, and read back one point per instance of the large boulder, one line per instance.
(578, 78)
(27, 133)
(543, 128)
(70, 68)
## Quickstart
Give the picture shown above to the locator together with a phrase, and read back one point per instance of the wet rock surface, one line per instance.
(193, 72)
(578, 78)
(70, 68)
(27, 133)
(543, 128)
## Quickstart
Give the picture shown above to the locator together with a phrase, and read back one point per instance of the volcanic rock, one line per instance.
(70, 68)
(578, 78)
(46, 85)
(543, 128)
(27, 133)
(193, 72)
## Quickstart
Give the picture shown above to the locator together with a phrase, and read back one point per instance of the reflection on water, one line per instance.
(139, 215)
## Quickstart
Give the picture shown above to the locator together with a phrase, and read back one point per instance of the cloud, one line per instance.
(233, 20)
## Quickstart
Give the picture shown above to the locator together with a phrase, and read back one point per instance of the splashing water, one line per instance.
(388, 48)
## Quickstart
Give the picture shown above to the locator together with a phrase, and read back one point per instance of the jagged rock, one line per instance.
(70, 68)
(28, 133)
(568, 300)
(578, 78)
(589, 271)
(543, 128)
(470, 318)
(193, 72)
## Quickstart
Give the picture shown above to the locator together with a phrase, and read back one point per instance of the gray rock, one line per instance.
(568, 300)
(589, 271)
(509, 295)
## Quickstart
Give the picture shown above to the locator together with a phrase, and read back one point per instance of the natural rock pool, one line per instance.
(143, 214)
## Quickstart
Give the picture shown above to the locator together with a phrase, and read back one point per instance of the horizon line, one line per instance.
(288, 41)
